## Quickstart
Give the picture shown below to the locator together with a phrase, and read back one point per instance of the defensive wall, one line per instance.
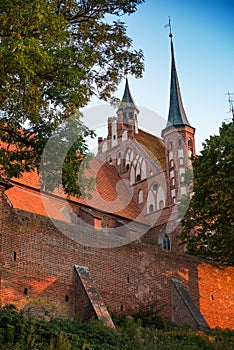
(39, 261)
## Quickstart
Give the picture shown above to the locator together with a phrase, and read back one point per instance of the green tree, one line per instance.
(54, 56)
(208, 224)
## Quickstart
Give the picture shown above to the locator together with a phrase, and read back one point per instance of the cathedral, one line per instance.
(139, 178)
(53, 247)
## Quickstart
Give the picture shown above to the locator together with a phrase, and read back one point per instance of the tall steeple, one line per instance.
(128, 108)
(176, 115)
(178, 137)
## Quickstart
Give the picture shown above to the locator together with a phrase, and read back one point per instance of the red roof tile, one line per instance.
(110, 195)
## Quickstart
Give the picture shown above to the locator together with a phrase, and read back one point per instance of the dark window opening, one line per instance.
(166, 242)
(138, 177)
(127, 167)
(212, 297)
(25, 291)
(151, 208)
(173, 182)
(14, 256)
(66, 298)
(114, 137)
(128, 279)
(121, 307)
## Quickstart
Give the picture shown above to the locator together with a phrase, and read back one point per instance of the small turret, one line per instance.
(128, 109)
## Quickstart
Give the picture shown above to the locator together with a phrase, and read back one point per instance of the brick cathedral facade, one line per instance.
(118, 249)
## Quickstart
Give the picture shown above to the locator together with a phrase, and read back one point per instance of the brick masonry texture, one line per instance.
(37, 260)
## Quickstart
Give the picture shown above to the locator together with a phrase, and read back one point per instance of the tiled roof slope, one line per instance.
(110, 194)
(153, 145)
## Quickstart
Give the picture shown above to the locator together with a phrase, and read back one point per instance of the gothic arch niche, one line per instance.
(140, 197)
(155, 198)
(166, 242)
(124, 135)
(109, 159)
(114, 133)
(171, 163)
(169, 145)
(128, 158)
(139, 166)
(132, 175)
(190, 143)
(180, 143)
(118, 158)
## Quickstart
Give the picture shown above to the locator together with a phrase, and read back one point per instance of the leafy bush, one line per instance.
(18, 331)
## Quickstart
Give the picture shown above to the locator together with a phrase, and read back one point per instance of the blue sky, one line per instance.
(204, 52)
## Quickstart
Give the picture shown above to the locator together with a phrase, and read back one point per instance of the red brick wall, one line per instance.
(36, 256)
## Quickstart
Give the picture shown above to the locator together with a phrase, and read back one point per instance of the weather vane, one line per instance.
(231, 107)
(169, 25)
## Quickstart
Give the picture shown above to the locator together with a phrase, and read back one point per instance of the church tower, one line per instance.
(178, 137)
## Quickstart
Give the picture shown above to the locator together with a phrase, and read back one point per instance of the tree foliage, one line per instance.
(208, 225)
(54, 56)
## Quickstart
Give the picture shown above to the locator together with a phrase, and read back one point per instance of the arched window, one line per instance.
(138, 177)
(151, 208)
(173, 182)
(171, 163)
(128, 158)
(140, 197)
(170, 145)
(124, 135)
(166, 242)
(109, 160)
(181, 161)
(190, 143)
(118, 156)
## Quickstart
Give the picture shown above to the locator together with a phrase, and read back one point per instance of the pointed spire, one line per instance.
(128, 109)
(176, 115)
(127, 100)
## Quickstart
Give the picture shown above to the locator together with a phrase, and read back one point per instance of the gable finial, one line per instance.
(169, 25)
